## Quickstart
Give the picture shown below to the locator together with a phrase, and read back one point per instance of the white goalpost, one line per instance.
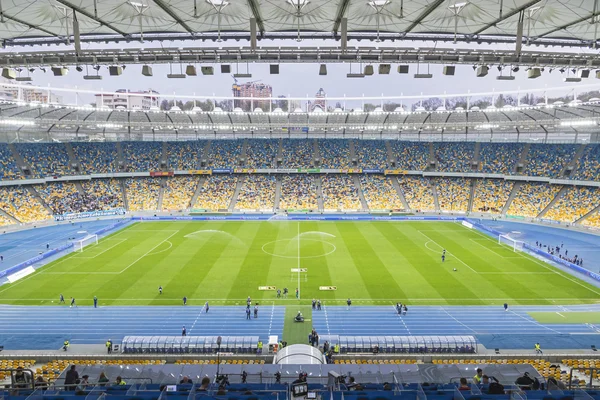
(517, 245)
(86, 241)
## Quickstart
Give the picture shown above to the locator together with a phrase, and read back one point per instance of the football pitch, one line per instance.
(373, 263)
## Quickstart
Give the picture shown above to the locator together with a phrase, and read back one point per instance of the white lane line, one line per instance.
(533, 321)
(560, 314)
(441, 247)
(458, 322)
(149, 251)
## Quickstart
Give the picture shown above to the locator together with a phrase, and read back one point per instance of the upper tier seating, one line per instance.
(183, 156)
(261, 153)
(45, 159)
(588, 168)
(225, 153)
(142, 156)
(334, 153)
(8, 166)
(371, 154)
(96, 158)
(548, 159)
(499, 158)
(412, 156)
(454, 157)
(298, 153)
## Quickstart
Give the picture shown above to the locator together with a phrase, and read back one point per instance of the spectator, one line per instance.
(40, 383)
(22, 378)
(186, 381)
(204, 384)
(464, 386)
(102, 379)
(71, 378)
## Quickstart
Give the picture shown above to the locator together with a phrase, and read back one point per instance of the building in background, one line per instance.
(126, 99)
(319, 102)
(254, 89)
(29, 94)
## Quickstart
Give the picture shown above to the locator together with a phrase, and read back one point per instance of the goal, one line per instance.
(86, 241)
(516, 245)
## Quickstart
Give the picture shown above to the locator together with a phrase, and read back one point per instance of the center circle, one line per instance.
(290, 250)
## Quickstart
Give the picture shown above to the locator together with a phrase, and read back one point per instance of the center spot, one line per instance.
(288, 248)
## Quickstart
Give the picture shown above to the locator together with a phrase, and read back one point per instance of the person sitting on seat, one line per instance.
(299, 317)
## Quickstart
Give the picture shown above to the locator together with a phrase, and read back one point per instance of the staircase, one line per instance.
(436, 200)
(319, 183)
(396, 186)
(431, 156)
(571, 165)
(124, 193)
(513, 194)
(243, 154)
(18, 159)
(201, 183)
(37, 196)
(120, 158)
(161, 193)
(589, 214)
(523, 158)
(79, 187)
(238, 189)
(352, 151)
(560, 194)
(361, 195)
(164, 157)
(472, 195)
(204, 154)
(279, 155)
(390, 153)
(277, 193)
(476, 154)
(73, 161)
(316, 152)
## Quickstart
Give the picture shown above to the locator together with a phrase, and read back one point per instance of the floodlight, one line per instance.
(323, 69)
(147, 70)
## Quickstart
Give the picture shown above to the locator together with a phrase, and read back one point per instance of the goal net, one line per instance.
(516, 245)
(86, 241)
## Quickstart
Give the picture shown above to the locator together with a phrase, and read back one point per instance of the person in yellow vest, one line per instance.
(109, 346)
(336, 349)
(538, 349)
(260, 347)
(478, 376)
(120, 382)
(65, 345)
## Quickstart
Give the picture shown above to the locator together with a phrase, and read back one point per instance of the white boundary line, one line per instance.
(104, 251)
(487, 248)
(162, 251)
(387, 301)
(441, 247)
(149, 251)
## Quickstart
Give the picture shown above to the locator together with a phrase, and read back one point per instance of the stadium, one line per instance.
(224, 238)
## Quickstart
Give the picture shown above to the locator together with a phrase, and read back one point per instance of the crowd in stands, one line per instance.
(261, 153)
(588, 168)
(334, 153)
(593, 221)
(499, 158)
(548, 159)
(257, 193)
(454, 157)
(575, 202)
(225, 153)
(380, 193)
(142, 193)
(371, 154)
(142, 156)
(412, 156)
(453, 194)
(532, 198)
(105, 193)
(340, 193)
(8, 166)
(183, 156)
(4, 220)
(96, 158)
(298, 153)
(216, 193)
(45, 159)
(417, 192)
(491, 195)
(18, 202)
(298, 192)
(178, 192)
(64, 197)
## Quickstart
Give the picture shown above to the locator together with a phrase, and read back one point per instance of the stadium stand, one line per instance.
(257, 193)
(334, 153)
(298, 192)
(8, 166)
(340, 193)
(418, 193)
(216, 193)
(142, 193)
(64, 197)
(412, 156)
(18, 202)
(371, 154)
(588, 168)
(491, 195)
(183, 156)
(261, 153)
(575, 203)
(297, 153)
(499, 158)
(96, 158)
(380, 193)
(593, 221)
(225, 153)
(453, 194)
(532, 198)
(548, 159)
(142, 156)
(45, 159)
(5, 221)
(104, 193)
(454, 157)
(178, 192)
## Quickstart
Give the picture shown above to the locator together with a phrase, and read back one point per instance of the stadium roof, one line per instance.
(569, 22)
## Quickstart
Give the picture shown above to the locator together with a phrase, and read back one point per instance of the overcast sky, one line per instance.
(300, 80)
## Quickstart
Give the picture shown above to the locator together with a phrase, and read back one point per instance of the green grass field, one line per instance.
(567, 317)
(374, 263)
